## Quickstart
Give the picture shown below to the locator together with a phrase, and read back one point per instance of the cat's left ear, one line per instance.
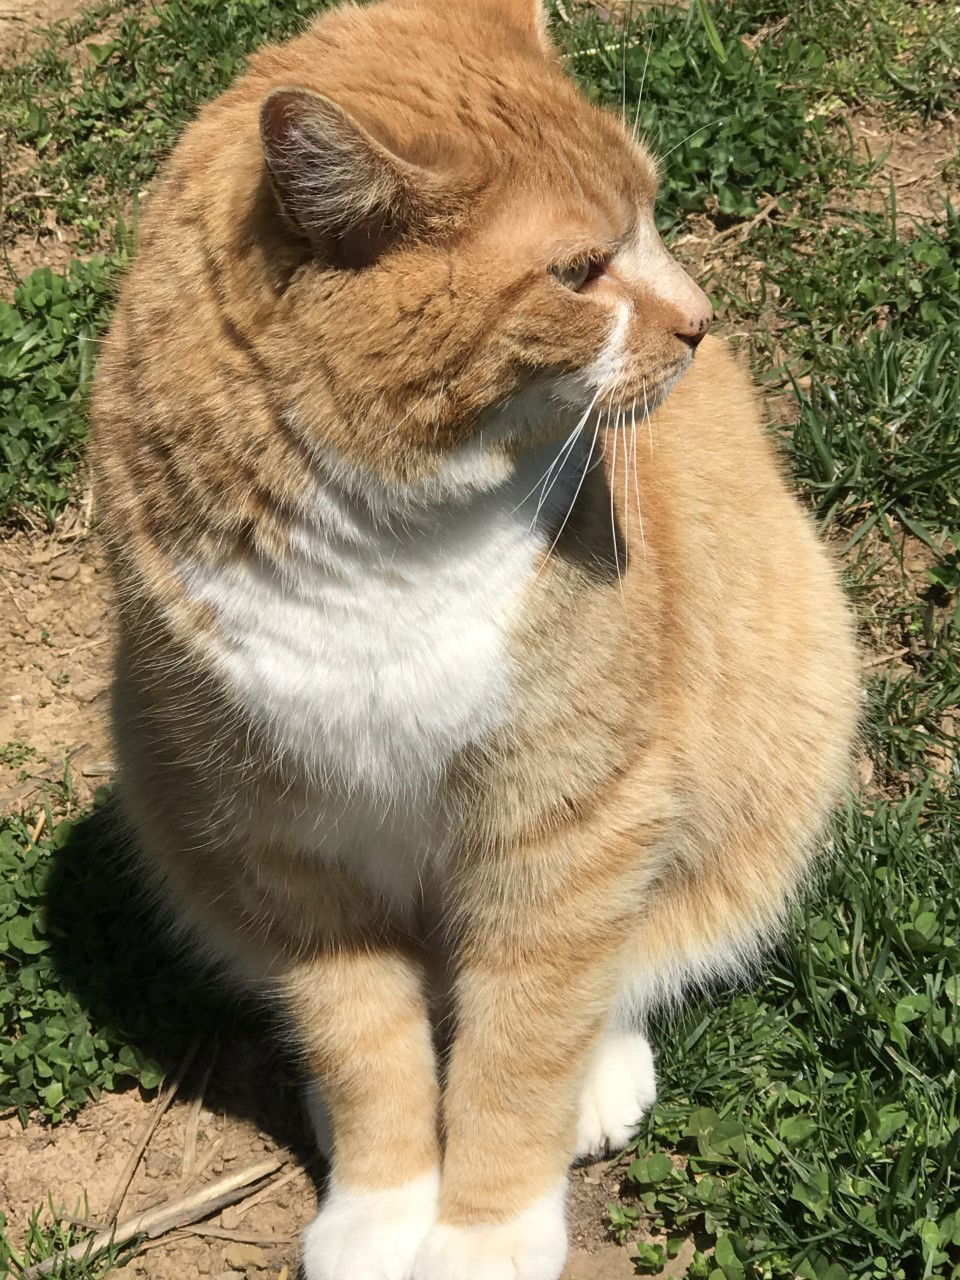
(528, 16)
(338, 185)
(507, 18)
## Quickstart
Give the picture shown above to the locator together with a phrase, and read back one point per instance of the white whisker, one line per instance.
(693, 133)
(646, 414)
(573, 500)
(613, 513)
(623, 66)
(636, 482)
(643, 81)
(564, 452)
(545, 482)
(627, 440)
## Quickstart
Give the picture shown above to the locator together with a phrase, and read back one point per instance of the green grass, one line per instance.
(50, 1235)
(47, 346)
(91, 997)
(877, 316)
(817, 1114)
(100, 135)
(731, 124)
(895, 55)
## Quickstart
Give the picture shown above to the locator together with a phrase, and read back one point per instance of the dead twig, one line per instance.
(98, 769)
(180, 1212)
(881, 658)
(741, 231)
(192, 1126)
(239, 1237)
(216, 1148)
(162, 1105)
(78, 648)
(13, 596)
(240, 1212)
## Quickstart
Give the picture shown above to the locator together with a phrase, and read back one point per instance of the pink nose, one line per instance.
(695, 329)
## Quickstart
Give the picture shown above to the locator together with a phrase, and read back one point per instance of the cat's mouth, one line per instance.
(642, 394)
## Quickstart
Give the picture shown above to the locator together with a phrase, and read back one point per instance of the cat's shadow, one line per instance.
(154, 1004)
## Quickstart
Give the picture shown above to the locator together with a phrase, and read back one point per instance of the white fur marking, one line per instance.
(604, 373)
(531, 1246)
(377, 653)
(621, 1085)
(373, 654)
(370, 1235)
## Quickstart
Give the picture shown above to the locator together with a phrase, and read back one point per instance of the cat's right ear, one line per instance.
(337, 184)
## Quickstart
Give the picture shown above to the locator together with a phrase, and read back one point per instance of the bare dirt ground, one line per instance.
(923, 164)
(20, 20)
(236, 1119)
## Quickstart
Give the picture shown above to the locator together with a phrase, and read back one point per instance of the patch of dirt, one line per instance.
(54, 246)
(55, 647)
(20, 21)
(923, 162)
(245, 1112)
(593, 1187)
(244, 1115)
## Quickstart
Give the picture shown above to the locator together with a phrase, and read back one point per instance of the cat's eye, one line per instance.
(575, 275)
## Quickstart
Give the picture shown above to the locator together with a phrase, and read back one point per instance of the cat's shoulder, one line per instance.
(718, 382)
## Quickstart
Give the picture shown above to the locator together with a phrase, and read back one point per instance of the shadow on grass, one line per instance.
(148, 997)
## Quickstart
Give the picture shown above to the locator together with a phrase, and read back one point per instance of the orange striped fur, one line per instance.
(480, 683)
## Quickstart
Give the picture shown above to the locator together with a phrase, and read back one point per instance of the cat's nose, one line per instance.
(694, 329)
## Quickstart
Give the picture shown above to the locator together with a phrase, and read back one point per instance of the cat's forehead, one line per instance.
(525, 126)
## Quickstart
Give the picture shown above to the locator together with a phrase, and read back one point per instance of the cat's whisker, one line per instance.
(623, 66)
(636, 482)
(559, 463)
(643, 81)
(542, 480)
(396, 427)
(573, 500)
(692, 134)
(613, 514)
(627, 442)
(436, 425)
(566, 451)
(646, 414)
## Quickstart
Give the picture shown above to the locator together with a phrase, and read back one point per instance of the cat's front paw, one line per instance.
(370, 1235)
(530, 1246)
(621, 1085)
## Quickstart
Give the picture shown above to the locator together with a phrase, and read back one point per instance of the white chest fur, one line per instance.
(374, 654)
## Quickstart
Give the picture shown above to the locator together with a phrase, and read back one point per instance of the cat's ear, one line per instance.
(528, 16)
(335, 182)
(505, 18)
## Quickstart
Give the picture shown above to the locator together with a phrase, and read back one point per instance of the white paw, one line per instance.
(621, 1085)
(370, 1235)
(531, 1246)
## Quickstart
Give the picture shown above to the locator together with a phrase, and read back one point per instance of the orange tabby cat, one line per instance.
(473, 654)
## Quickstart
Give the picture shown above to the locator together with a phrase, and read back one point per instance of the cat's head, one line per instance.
(479, 266)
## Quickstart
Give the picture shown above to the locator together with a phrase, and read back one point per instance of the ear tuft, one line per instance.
(529, 16)
(331, 177)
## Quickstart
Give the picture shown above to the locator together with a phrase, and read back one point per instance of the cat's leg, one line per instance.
(705, 924)
(538, 962)
(362, 1017)
(355, 993)
(619, 1089)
